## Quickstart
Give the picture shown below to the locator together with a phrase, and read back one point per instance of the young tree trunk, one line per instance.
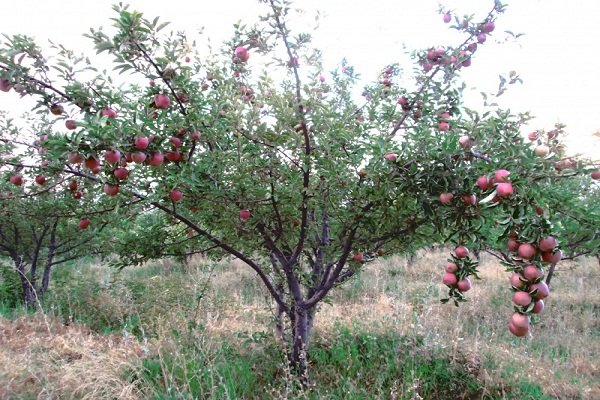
(301, 329)
(550, 273)
(28, 290)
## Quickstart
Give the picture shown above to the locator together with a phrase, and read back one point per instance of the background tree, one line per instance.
(270, 159)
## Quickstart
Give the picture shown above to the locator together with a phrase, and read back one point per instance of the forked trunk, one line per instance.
(302, 324)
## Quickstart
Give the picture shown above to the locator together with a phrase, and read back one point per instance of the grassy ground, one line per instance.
(205, 331)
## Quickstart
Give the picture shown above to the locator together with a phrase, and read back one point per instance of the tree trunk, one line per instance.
(28, 290)
(550, 273)
(301, 329)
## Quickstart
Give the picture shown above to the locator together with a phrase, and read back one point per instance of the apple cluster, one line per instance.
(457, 271)
(527, 279)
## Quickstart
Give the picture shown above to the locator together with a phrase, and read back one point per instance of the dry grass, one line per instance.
(388, 298)
(66, 362)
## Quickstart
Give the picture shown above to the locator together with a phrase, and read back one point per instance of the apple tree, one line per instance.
(259, 153)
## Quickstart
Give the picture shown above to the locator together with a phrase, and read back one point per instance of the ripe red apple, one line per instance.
(73, 185)
(443, 126)
(162, 101)
(84, 223)
(391, 156)
(5, 85)
(96, 170)
(484, 183)
(464, 285)
(595, 175)
(174, 156)
(539, 210)
(40, 179)
(112, 156)
(465, 142)
(111, 190)
(142, 142)
(488, 27)
(242, 54)
(175, 142)
(195, 135)
(427, 67)
(518, 331)
(504, 189)
(187, 59)
(128, 159)
(451, 268)
(461, 252)
(548, 244)
(541, 150)
(245, 215)
(57, 109)
(16, 179)
(449, 279)
(447, 18)
(472, 47)
(70, 124)
(501, 175)
(91, 163)
(446, 198)
(121, 173)
(469, 199)
(74, 158)
(481, 38)
(538, 307)
(512, 245)
(533, 136)
(526, 251)
(156, 159)
(532, 273)
(520, 320)
(542, 290)
(77, 195)
(552, 257)
(516, 280)
(521, 299)
(175, 195)
(138, 157)
(109, 112)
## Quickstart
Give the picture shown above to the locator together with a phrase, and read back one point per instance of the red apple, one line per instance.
(175, 142)
(138, 157)
(464, 285)
(520, 320)
(516, 280)
(156, 159)
(449, 279)
(552, 257)
(16, 179)
(488, 27)
(142, 142)
(245, 215)
(84, 223)
(461, 252)
(446, 198)
(548, 244)
(595, 175)
(451, 268)
(174, 156)
(391, 156)
(542, 290)
(73, 185)
(242, 54)
(533, 136)
(541, 150)
(121, 173)
(109, 112)
(111, 190)
(532, 273)
(512, 245)
(447, 18)
(77, 195)
(195, 135)
(112, 156)
(501, 175)
(465, 142)
(162, 101)
(538, 307)
(70, 124)
(91, 163)
(521, 299)
(518, 331)
(443, 126)
(175, 195)
(526, 251)
(504, 189)
(469, 199)
(5, 85)
(481, 38)
(40, 179)
(484, 183)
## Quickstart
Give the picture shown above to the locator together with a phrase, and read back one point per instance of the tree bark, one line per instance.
(550, 273)
(301, 329)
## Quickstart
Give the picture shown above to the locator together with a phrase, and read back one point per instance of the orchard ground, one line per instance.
(205, 331)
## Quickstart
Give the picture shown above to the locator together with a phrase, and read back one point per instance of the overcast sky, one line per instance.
(557, 58)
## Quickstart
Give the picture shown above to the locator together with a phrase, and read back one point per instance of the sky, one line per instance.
(557, 57)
